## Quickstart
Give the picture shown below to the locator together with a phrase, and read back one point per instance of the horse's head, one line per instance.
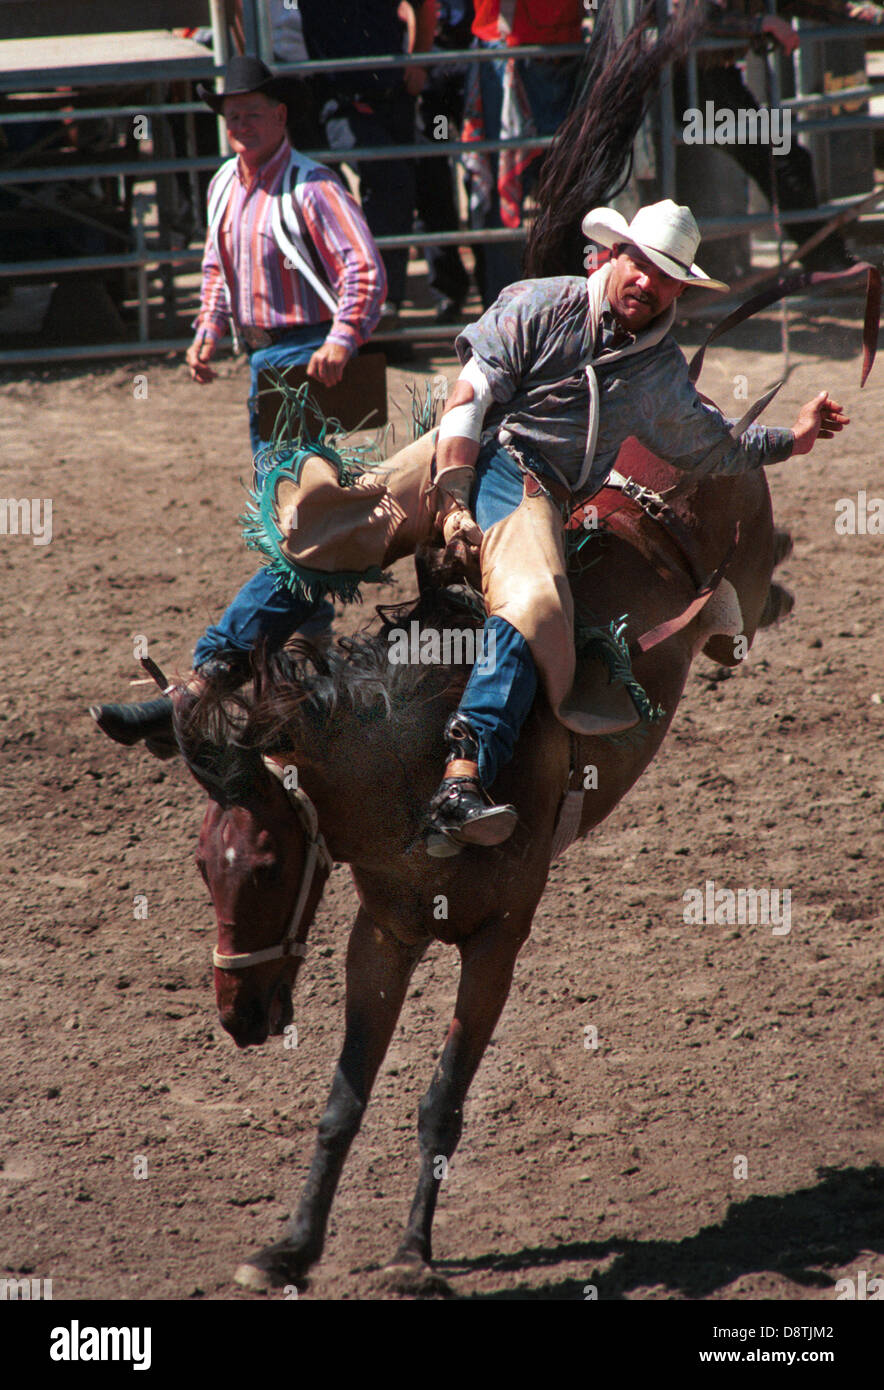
(265, 865)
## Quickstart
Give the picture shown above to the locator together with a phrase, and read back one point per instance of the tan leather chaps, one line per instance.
(388, 512)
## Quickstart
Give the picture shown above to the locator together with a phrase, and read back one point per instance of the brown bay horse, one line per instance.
(362, 740)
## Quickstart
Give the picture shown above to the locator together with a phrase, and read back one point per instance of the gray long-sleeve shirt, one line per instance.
(532, 345)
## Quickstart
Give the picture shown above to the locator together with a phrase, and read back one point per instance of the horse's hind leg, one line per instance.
(487, 962)
(378, 971)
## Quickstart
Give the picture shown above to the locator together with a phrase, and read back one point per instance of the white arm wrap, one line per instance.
(465, 421)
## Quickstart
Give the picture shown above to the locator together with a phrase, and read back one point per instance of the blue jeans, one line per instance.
(264, 607)
(500, 692)
(297, 345)
(549, 86)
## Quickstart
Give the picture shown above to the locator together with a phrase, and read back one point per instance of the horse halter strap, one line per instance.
(318, 860)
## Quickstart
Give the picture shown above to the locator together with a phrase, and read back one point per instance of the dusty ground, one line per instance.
(616, 1166)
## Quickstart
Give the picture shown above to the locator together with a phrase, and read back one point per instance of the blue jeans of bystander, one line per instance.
(264, 607)
(297, 345)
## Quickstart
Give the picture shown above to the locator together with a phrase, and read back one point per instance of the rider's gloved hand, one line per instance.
(461, 525)
(453, 515)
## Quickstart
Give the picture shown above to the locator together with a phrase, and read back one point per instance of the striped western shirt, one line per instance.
(265, 292)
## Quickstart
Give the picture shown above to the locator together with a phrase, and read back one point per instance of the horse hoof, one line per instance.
(415, 1280)
(250, 1276)
(272, 1268)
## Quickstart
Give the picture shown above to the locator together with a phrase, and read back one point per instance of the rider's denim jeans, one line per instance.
(264, 607)
(497, 698)
(499, 693)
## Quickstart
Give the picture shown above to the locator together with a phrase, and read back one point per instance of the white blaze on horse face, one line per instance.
(230, 855)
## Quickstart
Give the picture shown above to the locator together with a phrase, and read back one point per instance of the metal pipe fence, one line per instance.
(139, 168)
(148, 169)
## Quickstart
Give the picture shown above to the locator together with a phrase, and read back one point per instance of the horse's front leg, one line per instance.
(378, 970)
(487, 962)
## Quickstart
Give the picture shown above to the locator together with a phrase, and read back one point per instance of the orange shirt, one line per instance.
(532, 21)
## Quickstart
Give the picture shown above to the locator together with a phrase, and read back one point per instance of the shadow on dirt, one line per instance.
(826, 1225)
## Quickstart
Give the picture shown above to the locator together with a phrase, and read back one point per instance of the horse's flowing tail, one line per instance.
(783, 545)
(779, 602)
(591, 157)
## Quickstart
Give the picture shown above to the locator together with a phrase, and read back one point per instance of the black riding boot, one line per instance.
(128, 724)
(151, 720)
(460, 812)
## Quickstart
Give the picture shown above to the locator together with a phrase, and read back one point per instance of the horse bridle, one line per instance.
(318, 861)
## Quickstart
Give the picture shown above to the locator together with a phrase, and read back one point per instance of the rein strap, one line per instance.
(792, 284)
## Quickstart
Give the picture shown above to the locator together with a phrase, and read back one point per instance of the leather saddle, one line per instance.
(610, 700)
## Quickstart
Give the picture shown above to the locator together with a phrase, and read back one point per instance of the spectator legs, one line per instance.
(548, 85)
(387, 188)
(435, 196)
(265, 609)
(796, 187)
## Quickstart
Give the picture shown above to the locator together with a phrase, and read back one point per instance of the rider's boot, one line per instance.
(151, 720)
(460, 812)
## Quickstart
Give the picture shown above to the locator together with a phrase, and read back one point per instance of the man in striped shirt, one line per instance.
(291, 264)
(289, 257)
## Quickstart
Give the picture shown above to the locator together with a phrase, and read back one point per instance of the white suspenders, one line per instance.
(505, 18)
(285, 222)
(287, 230)
(217, 203)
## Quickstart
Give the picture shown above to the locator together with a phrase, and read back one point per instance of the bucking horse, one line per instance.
(331, 756)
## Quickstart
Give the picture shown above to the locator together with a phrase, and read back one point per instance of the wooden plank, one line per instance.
(26, 19)
(360, 398)
(48, 56)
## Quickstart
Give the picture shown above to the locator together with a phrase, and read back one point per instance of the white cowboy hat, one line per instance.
(666, 233)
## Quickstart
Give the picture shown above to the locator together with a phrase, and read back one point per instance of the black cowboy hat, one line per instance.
(243, 74)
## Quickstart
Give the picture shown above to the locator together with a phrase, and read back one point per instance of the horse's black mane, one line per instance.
(590, 160)
(302, 691)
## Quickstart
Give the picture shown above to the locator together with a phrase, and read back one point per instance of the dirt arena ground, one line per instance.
(722, 1141)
